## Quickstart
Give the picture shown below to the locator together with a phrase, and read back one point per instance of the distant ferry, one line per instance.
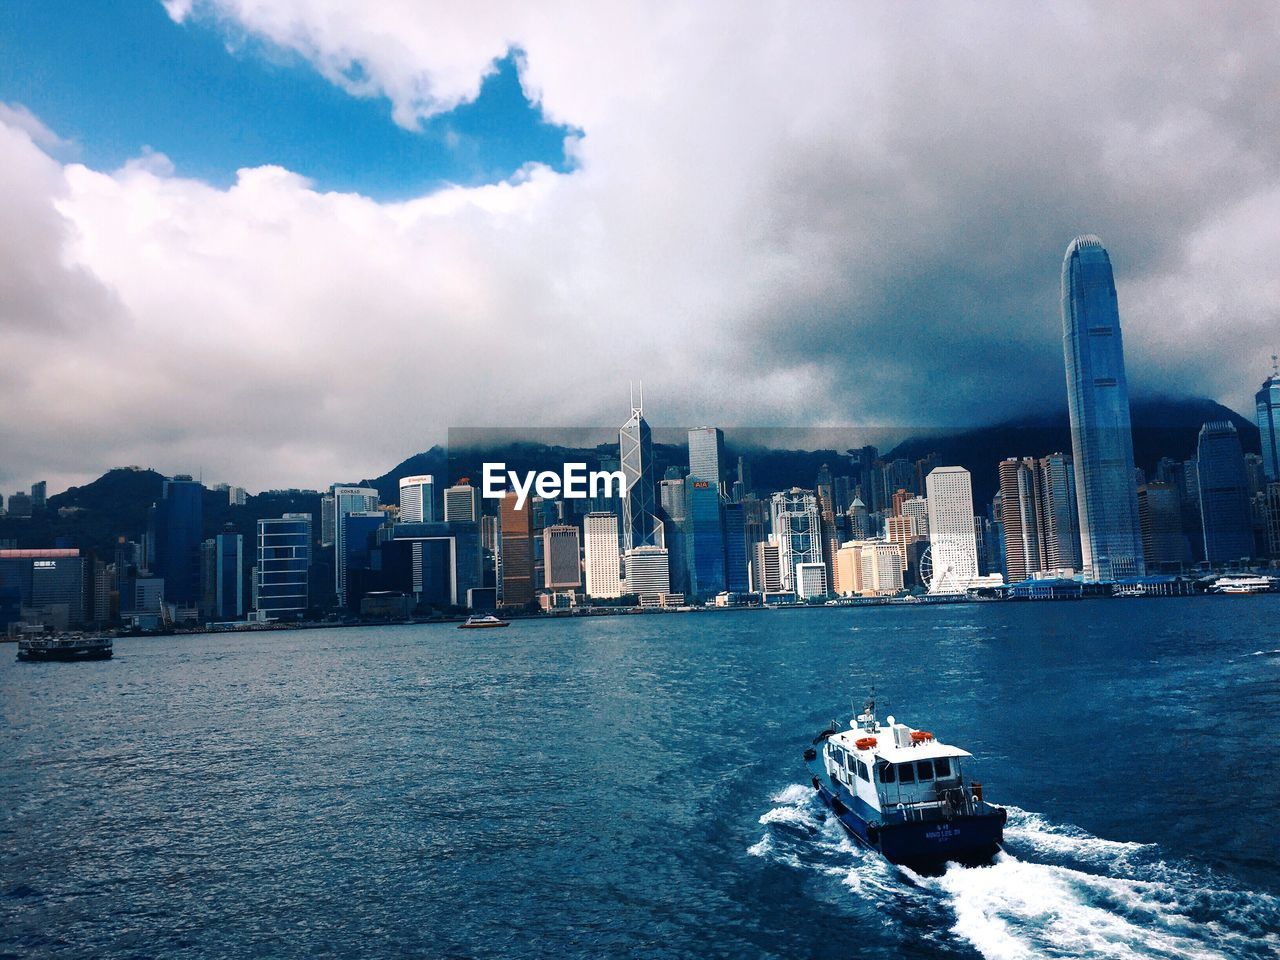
(64, 648)
(486, 622)
(1239, 585)
(904, 793)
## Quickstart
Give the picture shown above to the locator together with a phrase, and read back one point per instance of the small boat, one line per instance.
(486, 622)
(64, 648)
(903, 792)
(1243, 585)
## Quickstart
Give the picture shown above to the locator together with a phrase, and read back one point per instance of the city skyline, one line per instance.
(177, 286)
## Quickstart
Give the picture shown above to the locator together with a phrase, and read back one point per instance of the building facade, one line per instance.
(797, 531)
(601, 557)
(1267, 401)
(1225, 515)
(282, 572)
(1098, 403)
(952, 545)
(418, 499)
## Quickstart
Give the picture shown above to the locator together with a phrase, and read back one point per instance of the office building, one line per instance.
(346, 501)
(515, 552)
(39, 494)
(178, 524)
(561, 553)
(20, 505)
(1160, 514)
(766, 567)
(737, 575)
(601, 556)
(847, 577)
(952, 544)
(357, 535)
(706, 455)
(648, 571)
(1058, 513)
(704, 537)
(237, 496)
(797, 531)
(640, 525)
(49, 587)
(882, 565)
(328, 517)
(1019, 487)
(282, 573)
(228, 579)
(1224, 494)
(461, 502)
(918, 509)
(811, 580)
(418, 499)
(1267, 400)
(1098, 403)
(671, 498)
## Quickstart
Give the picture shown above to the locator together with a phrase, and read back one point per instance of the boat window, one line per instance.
(924, 769)
(885, 770)
(943, 767)
(850, 760)
(906, 773)
(864, 772)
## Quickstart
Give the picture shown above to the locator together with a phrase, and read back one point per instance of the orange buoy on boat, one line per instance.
(865, 743)
(920, 736)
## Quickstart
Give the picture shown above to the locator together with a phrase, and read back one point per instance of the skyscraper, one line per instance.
(561, 553)
(39, 494)
(284, 559)
(952, 543)
(515, 552)
(1058, 513)
(1018, 503)
(461, 502)
(1268, 401)
(1224, 494)
(179, 522)
(418, 499)
(648, 571)
(640, 526)
(1160, 513)
(228, 585)
(1098, 401)
(736, 576)
(601, 558)
(346, 501)
(797, 532)
(704, 538)
(706, 455)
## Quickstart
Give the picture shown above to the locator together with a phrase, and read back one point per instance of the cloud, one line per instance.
(815, 215)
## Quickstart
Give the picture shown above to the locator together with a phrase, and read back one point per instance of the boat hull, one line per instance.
(972, 840)
(65, 654)
(482, 626)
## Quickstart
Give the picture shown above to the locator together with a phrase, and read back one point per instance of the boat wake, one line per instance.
(1056, 891)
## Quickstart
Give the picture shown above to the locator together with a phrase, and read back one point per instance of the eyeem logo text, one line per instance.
(574, 482)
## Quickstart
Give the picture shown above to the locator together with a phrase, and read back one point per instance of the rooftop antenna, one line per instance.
(1275, 365)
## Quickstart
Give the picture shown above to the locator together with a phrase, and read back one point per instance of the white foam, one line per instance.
(761, 848)
(796, 793)
(790, 817)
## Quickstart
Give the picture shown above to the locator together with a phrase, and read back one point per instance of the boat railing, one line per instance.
(948, 802)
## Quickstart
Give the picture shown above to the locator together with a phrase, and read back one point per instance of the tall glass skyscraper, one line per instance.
(706, 455)
(179, 522)
(1268, 400)
(1224, 494)
(1098, 401)
(640, 526)
(704, 541)
(284, 563)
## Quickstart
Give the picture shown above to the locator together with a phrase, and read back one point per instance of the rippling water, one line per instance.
(633, 786)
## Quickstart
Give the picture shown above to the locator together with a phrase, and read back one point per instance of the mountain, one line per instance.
(1162, 427)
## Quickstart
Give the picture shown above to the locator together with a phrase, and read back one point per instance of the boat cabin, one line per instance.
(899, 772)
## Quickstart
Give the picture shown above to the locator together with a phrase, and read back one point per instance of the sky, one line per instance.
(289, 243)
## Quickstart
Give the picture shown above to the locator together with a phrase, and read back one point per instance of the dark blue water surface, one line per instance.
(633, 787)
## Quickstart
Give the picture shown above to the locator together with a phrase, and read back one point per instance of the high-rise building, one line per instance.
(418, 499)
(328, 518)
(640, 525)
(1019, 504)
(811, 580)
(228, 584)
(737, 577)
(1268, 405)
(797, 531)
(20, 505)
(766, 567)
(346, 501)
(706, 455)
(704, 537)
(237, 496)
(1098, 402)
(561, 552)
(179, 520)
(1271, 506)
(357, 536)
(918, 509)
(848, 572)
(282, 571)
(1058, 514)
(39, 494)
(515, 552)
(462, 502)
(648, 571)
(671, 496)
(601, 556)
(882, 566)
(952, 544)
(1224, 494)
(1160, 513)
(901, 532)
